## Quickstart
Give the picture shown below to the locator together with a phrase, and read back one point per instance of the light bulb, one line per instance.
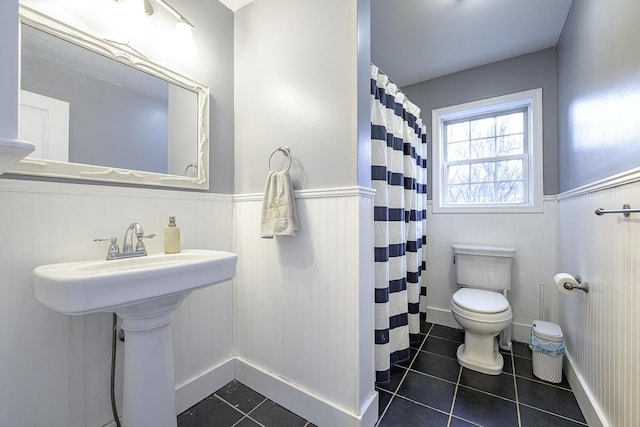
(183, 40)
(135, 18)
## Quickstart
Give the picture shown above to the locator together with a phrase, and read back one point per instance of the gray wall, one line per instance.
(297, 65)
(9, 69)
(599, 91)
(535, 70)
(214, 67)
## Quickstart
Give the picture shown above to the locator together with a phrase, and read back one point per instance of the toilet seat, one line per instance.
(480, 301)
(481, 306)
(482, 317)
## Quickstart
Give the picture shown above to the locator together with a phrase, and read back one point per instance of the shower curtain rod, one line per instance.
(387, 75)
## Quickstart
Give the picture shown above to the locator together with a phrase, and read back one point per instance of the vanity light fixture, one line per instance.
(182, 35)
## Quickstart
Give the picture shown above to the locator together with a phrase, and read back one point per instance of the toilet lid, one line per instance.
(480, 301)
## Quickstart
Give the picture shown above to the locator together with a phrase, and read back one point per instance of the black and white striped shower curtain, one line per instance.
(399, 176)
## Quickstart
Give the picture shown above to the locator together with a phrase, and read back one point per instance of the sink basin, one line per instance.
(93, 286)
(144, 292)
(12, 151)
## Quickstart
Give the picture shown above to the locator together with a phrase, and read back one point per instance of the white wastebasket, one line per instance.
(547, 346)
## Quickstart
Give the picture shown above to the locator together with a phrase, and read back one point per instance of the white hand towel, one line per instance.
(279, 213)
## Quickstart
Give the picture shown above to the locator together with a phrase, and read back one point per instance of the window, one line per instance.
(487, 155)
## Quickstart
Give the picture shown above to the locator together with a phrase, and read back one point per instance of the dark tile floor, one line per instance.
(433, 390)
(237, 405)
(429, 390)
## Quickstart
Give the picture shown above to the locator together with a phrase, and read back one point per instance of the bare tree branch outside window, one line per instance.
(485, 158)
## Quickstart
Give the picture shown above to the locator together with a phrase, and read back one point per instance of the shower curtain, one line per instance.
(399, 176)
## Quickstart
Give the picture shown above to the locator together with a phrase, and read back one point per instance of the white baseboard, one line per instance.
(443, 317)
(195, 390)
(305, 404)
(521, 332)
(313, 408)
(586, 400)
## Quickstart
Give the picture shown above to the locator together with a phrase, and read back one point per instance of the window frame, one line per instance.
(532, 165)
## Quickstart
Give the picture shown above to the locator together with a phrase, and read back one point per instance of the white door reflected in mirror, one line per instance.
(44, 121)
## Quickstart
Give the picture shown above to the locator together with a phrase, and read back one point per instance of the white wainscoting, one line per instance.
(601, 327)
(54, 369)
(305, 307)
(533, 235)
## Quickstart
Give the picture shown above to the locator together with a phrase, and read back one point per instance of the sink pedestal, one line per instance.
(144, 292)
(149, 387)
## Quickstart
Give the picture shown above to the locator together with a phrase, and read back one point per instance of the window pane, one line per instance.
(458, 194)
(510, 123)
(481, 193)
(509, 170)
(458, 132)
(458, 174)
(482, 172)
(458, 151)
(509, 145)
(481, 148)
(483, 128)
(510, 192)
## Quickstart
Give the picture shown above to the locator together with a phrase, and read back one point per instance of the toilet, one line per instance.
(480, 307)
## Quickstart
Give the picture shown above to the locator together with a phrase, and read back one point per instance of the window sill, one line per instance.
(519, 209)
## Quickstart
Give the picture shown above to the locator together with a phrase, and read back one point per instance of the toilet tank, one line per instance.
(483, 267)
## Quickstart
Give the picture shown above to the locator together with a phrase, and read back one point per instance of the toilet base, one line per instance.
(471, 355)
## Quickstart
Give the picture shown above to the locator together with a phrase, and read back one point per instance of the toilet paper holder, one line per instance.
(582, 286)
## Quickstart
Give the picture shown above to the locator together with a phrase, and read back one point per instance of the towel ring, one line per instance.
(189, 166)
(284, 150)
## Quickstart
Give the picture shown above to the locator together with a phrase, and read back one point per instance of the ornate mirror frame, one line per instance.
(120, 53)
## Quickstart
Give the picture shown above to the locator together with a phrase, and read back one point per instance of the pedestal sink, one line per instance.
(144, 292)
(12, 151)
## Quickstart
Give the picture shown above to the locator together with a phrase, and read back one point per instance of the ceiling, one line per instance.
(235, 4)
(417, 40)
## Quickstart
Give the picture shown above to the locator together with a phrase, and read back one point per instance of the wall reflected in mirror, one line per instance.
(79, 106)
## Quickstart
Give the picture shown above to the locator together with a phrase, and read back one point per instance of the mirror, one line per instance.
(98, 110)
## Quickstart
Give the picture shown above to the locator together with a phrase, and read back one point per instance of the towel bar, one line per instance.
(626, 211)
(284, 150)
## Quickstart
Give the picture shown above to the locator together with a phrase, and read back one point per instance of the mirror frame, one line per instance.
(127, 56)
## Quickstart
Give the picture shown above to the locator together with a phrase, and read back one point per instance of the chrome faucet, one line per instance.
(128, 250)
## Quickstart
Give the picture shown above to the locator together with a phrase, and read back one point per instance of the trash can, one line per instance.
(547, 346)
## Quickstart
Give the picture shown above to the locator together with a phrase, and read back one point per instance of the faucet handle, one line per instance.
(113, 247)
(140, 245)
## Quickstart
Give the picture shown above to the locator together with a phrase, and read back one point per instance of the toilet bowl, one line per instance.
(480, 306)
(482, 314)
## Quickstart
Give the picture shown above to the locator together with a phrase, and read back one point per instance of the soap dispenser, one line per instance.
(172, 237)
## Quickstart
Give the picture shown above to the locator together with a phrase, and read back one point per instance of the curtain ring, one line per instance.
(189, 166)
(284, 150)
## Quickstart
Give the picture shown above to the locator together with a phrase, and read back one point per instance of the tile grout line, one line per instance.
(564, 417)
(424, 405)
(497, 396)
(244, 414)
(455, 394)
(515, 387)
(432, 376)
(395, 392)
(254, 408)
(545, 383)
